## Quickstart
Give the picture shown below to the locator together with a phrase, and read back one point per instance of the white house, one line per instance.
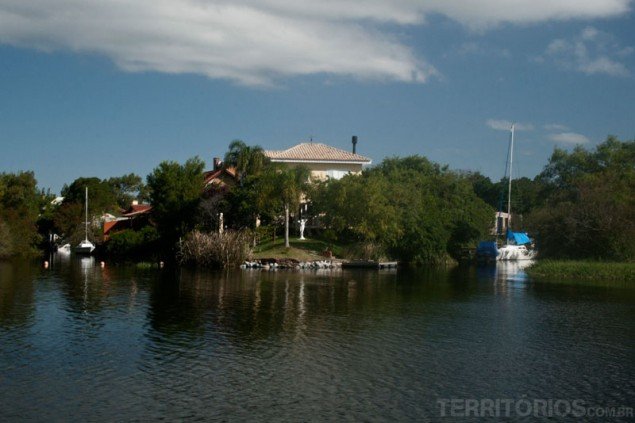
(322, 160)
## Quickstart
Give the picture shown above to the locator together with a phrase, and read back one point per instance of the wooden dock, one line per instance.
(369, 264)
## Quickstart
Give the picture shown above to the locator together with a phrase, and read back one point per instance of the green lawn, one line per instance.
(303, 250)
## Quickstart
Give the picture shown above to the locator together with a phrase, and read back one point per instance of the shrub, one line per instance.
(133, 244)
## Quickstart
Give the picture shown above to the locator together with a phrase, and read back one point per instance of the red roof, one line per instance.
(210, 175)
(137, 209)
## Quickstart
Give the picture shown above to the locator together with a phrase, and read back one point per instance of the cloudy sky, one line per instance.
(102, 88)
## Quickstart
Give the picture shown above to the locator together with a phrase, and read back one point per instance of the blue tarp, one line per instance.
(519, 238)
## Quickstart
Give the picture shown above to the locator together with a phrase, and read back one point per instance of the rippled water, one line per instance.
(81, 342)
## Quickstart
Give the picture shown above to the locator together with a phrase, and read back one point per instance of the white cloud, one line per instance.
(486, 13)
(556, 127)
(505, 125)
(569, 138)
(591, 52)
(257, 42)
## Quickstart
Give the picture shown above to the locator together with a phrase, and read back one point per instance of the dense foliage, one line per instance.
(175, 194)
(266, 191)
(525, 193)
(134, 245)
(105, 196)
(416, 210)
(20, 204)
(588, 203)
(580, 206)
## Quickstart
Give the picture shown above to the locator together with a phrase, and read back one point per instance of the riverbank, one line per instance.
(301, 250)
(583, 272)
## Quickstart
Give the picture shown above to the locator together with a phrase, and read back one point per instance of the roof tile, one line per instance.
(316, 152)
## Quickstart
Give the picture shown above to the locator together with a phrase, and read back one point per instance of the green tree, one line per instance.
(20, 203)
(588, 210)
(418, 211)
(128, 188)
(68, 219)
(292, 185)
(248, 160)
(485, 189)
(175, 194)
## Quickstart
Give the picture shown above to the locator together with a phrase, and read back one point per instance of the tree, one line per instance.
(292, 184)
(416, 210)
(68, 219)
(485, 189)
(588, 211)
(128, 188)
(175, 194)
(102, 198)
(20, 203)
(248, 160)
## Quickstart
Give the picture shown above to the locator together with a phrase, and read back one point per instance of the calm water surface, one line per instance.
(79, 342)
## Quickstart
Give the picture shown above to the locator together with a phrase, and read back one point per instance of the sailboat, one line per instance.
(85, 247)
(518, 244)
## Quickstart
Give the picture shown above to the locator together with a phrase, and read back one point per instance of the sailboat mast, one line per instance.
(509, 190)
(86, 208)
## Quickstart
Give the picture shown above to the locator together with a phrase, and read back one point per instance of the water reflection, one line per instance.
(17, 292)
(312, 345)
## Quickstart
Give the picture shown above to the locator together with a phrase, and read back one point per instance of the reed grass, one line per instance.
(229, 249)
(583, 272)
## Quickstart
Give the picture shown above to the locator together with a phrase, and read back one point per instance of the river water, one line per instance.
(79, 342)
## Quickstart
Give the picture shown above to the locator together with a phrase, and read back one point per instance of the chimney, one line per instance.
(217, 163)
(354, 144)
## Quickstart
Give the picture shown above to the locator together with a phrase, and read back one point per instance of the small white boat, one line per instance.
(518, 245)
(85, 247)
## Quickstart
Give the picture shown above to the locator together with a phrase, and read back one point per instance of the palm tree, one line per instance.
(248, 160)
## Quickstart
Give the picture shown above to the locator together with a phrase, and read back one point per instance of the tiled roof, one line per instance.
(137, 209)
(313, 151)
(210, 175)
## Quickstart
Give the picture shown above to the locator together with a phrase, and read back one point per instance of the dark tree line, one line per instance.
(405, 208)
(580, 206)
(586, 208)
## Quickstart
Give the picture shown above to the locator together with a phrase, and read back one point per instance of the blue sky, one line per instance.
(106, 88)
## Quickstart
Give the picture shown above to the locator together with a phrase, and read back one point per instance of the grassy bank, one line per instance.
(584, 272)
(302, 250)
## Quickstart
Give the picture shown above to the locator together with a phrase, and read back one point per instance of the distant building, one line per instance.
(219, 178)
(322, 160)
(135, 217)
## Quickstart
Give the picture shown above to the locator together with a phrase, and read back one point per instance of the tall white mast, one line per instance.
(86, 207)
(509, 191)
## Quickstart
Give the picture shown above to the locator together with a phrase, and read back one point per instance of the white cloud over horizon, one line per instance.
(569, 138)
(590, 52)
(556, 127)
(258, 42)
(506, 125)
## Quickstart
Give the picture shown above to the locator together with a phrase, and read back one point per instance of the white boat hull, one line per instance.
(514, 253)
(85, 247)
